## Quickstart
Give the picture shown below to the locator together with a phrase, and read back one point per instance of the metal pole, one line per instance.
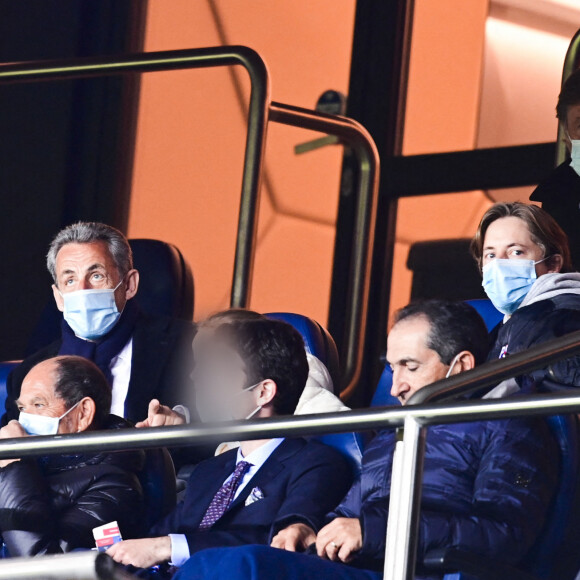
(394, 504)
(89, 565)
(188, 59)
(359, 140)
(405, 527)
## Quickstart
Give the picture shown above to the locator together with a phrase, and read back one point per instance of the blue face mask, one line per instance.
(91, 313)
(507, 282)
(41, 424)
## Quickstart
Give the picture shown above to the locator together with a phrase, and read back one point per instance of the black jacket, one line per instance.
(300, 482)
(159, 367)
(535, 324)
(559, 195)
(52, 504)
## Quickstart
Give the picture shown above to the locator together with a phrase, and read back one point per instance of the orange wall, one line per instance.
(442, 110)
(469, 82)
(190, 148)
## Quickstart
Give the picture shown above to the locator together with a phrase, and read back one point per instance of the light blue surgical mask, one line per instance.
(41, 424)
(507, 282)
(91, 313)
(574, 153)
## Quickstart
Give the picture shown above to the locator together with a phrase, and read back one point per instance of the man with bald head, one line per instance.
(51, 504)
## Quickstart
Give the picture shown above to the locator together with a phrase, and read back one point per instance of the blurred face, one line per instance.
(38, 397)
(510, 238)
(219, 378)
(414, 365)
(91, 267)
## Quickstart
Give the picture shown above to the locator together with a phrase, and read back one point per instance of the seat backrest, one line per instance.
(159, 485)
(318, 342)
(5, 370)
(166, 286)
(165, 289)
(490, 314)
(556, 553)
(444, 269)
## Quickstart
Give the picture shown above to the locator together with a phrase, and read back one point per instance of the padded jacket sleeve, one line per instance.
(514, 485)
(30, 524)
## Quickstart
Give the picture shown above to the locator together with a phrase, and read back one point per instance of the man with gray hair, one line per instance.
(143, 357)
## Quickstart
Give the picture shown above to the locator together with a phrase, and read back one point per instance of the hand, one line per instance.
(340, 539)
(296, 537)
(159, 415)
(142, 553)
(9, 431)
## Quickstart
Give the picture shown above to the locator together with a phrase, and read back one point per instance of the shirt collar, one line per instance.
(259, 456)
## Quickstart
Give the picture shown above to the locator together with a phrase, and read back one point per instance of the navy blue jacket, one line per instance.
(537, 323)
(486, 488)
(301, 481)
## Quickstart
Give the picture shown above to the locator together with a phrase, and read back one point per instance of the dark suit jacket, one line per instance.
(160, 366)
(301, 481)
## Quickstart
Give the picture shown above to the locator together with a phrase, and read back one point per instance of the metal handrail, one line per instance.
(188, 59)
(73, 566)
(354, 135)
(493, 372)
(571, 63)
(261, 111)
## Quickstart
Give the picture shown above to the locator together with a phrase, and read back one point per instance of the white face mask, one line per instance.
(91, 313)
(455, 359)
(41, 424)
(574, 154)
(211, 412)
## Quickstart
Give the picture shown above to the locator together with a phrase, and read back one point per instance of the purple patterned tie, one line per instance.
(224, 496)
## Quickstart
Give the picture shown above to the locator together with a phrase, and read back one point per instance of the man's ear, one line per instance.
(131, 284)
(465, 362)
(266, 392)
(57, 298)
(554, 263)
(85, 414)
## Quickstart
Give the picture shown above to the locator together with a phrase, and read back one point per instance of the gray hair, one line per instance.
(88, 233)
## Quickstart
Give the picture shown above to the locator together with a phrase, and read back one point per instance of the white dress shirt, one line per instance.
(121, 373)
(179, 546)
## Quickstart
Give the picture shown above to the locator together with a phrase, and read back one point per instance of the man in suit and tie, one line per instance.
(244, 369)
(95, 284)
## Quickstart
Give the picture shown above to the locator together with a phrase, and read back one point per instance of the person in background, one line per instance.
(527, 274)
(487, 485)
(559, 193)
(249, 368)
(51, 504)
(317, 396)
(94, 287)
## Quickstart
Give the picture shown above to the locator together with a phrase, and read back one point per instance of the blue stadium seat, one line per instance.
(317, 340)
(490, 314)
(159, 485)
(319, 343)
(5, 370)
